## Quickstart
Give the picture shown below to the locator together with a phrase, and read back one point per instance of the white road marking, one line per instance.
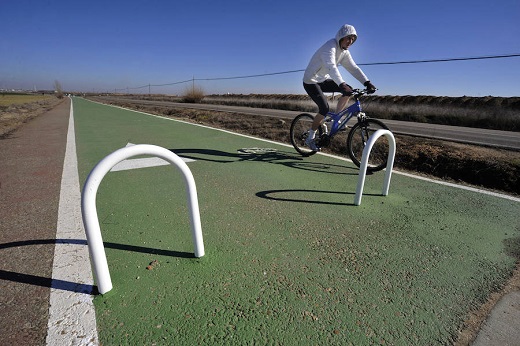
(142, 163)
(72, 318)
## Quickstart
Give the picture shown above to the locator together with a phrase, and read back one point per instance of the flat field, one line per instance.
(17, 109)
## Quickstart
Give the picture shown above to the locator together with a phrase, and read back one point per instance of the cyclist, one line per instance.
(322, 75)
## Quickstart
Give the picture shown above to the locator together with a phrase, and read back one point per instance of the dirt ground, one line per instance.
(487, 168)
(31, 165)
(15, 115)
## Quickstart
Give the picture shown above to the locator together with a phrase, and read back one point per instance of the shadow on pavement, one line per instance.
(68, 285)
(267, 155)
(276, 196)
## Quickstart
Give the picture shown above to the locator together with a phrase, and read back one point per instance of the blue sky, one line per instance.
(108, 45)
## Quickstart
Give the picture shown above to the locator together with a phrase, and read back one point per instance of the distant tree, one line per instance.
(58, 90)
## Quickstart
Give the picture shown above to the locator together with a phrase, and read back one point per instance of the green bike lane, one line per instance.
(289, 258)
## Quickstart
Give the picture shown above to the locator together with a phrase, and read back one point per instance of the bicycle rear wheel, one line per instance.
(299, 132)
(358, 138)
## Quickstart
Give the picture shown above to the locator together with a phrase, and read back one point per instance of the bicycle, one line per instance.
(357, 137)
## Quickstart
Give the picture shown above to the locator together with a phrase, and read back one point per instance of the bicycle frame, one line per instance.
(356, 139)
(338, 125)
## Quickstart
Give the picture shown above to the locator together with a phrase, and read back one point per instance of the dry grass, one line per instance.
(484, 116)
(16, 99)
(499, 113)
(15, 110)
(193, 95)
(296, 103)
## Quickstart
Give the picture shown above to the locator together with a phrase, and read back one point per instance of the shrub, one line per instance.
(193, 95)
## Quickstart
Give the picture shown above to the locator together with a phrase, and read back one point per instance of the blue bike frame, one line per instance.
(335, 118)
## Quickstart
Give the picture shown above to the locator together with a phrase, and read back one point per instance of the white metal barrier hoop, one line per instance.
(364, 163)
(89, 212)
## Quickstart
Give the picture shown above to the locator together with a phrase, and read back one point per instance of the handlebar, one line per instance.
(357, 93)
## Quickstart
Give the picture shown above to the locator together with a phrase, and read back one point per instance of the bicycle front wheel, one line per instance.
(299, 131)
(358, 138)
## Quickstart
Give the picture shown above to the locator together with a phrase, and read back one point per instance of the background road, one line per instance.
(492, 138)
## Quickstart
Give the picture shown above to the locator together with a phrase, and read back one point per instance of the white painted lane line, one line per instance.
(72, 319)
(139, 163)
(142, 163)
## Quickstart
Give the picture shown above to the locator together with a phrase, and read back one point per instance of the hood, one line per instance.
(344, 31)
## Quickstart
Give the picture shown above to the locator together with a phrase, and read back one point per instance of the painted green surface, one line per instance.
(289, 259)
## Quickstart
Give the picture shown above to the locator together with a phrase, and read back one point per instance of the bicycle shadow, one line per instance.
(243, 154)
(274, 156)
(279, 195)
(70, 286)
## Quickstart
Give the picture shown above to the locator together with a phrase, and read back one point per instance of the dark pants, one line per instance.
(315, 91)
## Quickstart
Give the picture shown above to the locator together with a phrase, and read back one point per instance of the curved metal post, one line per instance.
(364, 163)
(89, 212)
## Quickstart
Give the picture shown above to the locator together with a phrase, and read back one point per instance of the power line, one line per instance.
(250, 76)
(184, 81)
(362, 64)
(443, 60)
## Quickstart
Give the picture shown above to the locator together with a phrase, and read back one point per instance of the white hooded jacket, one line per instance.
(324, 63)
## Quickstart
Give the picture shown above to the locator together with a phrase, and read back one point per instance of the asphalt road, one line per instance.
(492, 138)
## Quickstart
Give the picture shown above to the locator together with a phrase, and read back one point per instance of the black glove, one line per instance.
(370, 87)
(346, 89)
